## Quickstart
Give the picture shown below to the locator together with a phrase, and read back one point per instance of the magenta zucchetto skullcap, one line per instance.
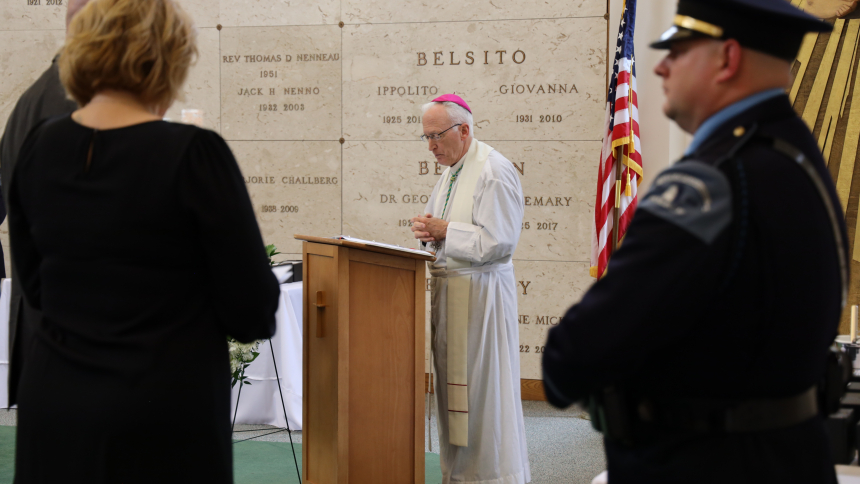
(453, 98)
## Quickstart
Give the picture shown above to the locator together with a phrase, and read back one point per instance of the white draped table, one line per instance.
(260, 402)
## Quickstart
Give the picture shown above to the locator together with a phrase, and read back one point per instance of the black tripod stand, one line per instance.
(283, 406)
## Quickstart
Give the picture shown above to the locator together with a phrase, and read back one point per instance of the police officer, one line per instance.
(701, 352)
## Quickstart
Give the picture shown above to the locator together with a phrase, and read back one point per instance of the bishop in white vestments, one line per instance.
(473, 222)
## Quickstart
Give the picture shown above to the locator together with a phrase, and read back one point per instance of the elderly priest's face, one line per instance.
(452, 144)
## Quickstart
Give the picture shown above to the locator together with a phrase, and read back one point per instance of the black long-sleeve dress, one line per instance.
(140, 246)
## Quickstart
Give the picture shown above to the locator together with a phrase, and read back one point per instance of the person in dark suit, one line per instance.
(45, 98)
(701, 351)
(137, 240)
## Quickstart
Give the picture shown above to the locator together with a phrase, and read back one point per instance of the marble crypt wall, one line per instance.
(320, 103)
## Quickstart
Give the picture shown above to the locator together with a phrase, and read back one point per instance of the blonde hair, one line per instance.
(143, 47)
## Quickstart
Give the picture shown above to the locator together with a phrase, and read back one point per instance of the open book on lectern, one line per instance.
(380, 244)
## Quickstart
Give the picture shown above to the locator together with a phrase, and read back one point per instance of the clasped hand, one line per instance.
(429, 229)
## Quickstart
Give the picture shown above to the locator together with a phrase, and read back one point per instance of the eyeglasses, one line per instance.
(437, 137)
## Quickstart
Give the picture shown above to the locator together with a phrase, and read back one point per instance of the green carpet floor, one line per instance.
(253, 462)
(7, 454)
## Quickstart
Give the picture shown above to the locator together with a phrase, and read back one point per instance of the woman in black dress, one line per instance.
(137, 240)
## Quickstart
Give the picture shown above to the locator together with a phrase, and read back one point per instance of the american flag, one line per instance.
(620, 143)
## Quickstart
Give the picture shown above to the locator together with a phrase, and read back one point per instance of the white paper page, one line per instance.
(381, 244)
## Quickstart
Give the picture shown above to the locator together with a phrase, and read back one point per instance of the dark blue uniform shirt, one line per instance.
(684, 313)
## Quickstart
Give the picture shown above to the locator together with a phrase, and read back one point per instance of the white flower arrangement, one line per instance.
(241, 355)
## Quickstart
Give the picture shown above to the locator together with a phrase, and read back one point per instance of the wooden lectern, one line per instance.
(363, 363)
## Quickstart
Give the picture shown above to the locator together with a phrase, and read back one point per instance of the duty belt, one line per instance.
(715, 416)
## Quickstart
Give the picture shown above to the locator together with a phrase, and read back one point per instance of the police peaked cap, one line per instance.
(774, 27)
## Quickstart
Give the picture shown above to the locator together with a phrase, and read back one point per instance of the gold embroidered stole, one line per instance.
(458, 293)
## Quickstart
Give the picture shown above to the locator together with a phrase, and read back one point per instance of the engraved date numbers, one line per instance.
(537, 349)
(287, 107)
(280, 209)
(550, 118)
(540, 225)
(542, 118)
(399, 119)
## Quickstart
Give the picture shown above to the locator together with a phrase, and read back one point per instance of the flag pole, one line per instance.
(616, 215)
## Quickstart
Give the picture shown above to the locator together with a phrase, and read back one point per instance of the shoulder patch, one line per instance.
(694, 196)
